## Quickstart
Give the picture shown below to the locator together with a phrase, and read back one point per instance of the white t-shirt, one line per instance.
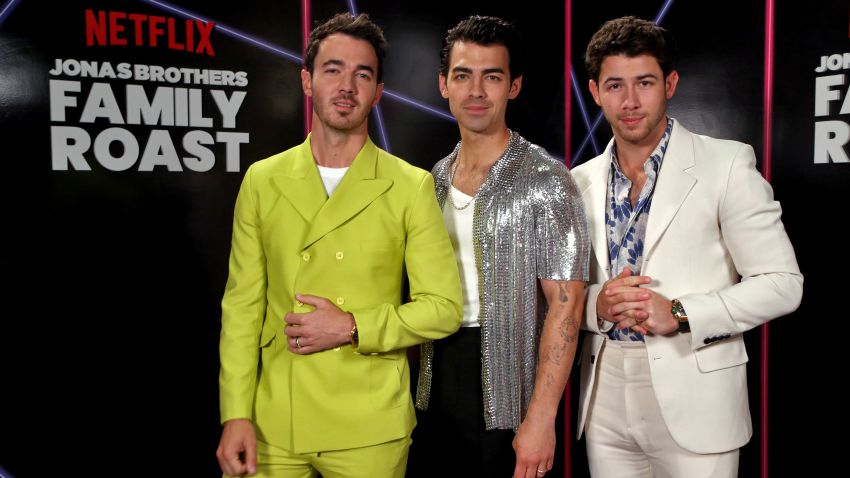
(331, 177)
(459, 225)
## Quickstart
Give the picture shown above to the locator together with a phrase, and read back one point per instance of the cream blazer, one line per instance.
(713, 219)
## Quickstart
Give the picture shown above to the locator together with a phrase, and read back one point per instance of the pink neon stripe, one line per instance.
(568, 435)
(568, 54)
(767, 145)
(305, 38)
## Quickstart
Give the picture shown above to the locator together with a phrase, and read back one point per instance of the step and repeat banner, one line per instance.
(126, 128)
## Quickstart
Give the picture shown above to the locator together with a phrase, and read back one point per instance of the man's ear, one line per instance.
(670, 83)
(378, 92)
(306, 82)
(444, 89)
(516, 86)
(594, 91)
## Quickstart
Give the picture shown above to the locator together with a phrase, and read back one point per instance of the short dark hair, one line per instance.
(485, 31)
(630, 36)
(360, 26)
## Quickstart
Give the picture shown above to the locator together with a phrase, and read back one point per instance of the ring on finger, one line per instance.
(298, 342)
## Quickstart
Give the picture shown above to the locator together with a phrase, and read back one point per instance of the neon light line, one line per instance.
(306, 16)
(7, 9)
(659, 17)
(379, 117)
(382, 131)
(417, 104)
(596, 121)
(767, 170)
(292, 56)
(232, 32)
(585, 116)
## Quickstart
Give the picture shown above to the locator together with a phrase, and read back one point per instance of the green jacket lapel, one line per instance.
(301, 184)
(358, 188)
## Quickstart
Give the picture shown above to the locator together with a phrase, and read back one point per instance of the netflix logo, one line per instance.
(153, 31)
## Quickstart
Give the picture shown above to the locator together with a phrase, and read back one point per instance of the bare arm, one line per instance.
(534, 443)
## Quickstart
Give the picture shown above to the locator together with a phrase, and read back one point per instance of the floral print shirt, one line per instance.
(626, 224)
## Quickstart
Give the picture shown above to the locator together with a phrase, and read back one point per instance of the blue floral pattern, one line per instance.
(626, 224)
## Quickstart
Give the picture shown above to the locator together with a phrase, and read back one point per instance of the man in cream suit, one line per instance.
(675, 218)
(314, 375)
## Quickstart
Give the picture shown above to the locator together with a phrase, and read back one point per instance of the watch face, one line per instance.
(678, 310)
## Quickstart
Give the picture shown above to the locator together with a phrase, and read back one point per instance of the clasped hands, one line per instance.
(624, 302)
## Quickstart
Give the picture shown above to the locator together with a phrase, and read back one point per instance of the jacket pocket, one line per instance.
(385, 381)
(725, 354)
(268, 334)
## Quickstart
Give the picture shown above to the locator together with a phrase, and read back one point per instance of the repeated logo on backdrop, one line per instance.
(832, 107)
(123, 116)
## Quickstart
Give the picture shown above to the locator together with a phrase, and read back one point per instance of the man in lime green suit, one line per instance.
(314, 373)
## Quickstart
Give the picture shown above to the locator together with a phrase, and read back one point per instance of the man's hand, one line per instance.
(237, 450)
(621, 299)
(623, 302)
(324, 328)
(534, 445)
(659, 316)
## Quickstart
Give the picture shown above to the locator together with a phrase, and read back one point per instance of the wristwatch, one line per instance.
(353, 336)
(678, 311)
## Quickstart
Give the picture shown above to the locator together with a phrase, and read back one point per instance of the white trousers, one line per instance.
(626, 435)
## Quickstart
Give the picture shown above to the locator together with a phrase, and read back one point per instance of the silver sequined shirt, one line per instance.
(528, 224)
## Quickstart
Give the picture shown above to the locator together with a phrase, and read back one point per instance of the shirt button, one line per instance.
(340, 255)
(340, 300)
(306, 256)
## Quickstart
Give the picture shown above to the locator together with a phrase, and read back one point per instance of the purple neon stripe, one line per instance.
(585, 115)
(232, 32)
(417, 104)
(659, 17)
(293, 56)
(379, 116)
(8, 9)
(382, 131)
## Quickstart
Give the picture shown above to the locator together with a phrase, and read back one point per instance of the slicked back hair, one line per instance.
(485, 31)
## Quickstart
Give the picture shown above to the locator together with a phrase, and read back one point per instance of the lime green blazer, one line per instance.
(381, 225)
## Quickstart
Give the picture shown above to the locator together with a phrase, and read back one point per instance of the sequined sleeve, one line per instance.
(562, 243)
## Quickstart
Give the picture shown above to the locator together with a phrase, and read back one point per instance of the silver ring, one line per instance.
(541, 472)
(298, 342)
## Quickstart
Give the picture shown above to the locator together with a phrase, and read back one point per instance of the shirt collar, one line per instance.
(653, 162)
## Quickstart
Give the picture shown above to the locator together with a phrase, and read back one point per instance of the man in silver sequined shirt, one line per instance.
(490, 392)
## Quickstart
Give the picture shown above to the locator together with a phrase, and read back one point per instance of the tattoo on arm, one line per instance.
(562, 295)
(569, 330)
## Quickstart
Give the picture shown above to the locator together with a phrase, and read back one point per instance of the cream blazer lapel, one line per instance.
(672, 186)
(594, 195)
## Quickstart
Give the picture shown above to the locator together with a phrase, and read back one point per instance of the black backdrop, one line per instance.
(112, 279)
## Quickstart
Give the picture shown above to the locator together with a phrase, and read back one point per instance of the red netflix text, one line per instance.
(121, 28)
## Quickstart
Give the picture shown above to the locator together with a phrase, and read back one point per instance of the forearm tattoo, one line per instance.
(562, 295)
(567, 330)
